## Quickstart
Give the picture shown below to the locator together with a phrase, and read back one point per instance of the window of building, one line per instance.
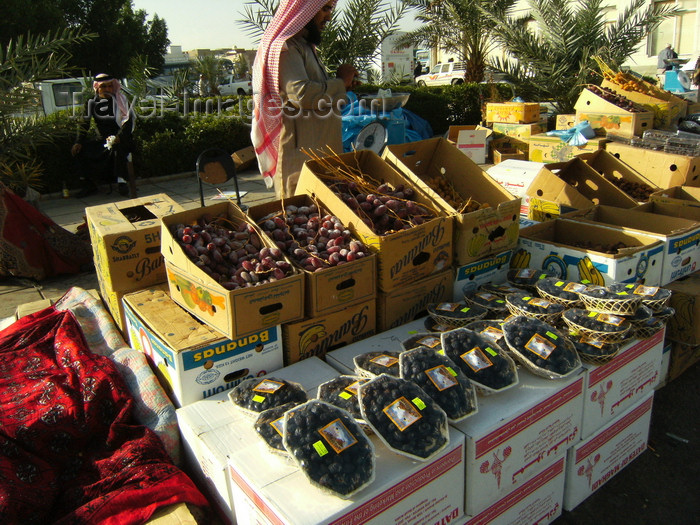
(679, 31)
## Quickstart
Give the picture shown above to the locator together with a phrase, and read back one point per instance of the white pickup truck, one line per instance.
(231, 86)
(442, 74)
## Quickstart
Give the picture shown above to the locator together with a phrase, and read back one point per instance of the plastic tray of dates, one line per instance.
(270, 426)
(435, 326)
(610, 302)
(234, 258)
(494, 303)
(312, 241)
(372, 364)
(422, 339)
(648, 328)
(540, 347)
(491, 329)
(652, 296)
(330, 448)
(257, 394)
(560, 291)
(442, 380)
(605, 327)
(342, 392)
(537, 307)
(526, 277)
(483, 362)
(593, 350)
(404, 417)
(455, 314)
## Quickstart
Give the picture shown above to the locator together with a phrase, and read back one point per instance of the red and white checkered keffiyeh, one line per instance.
(290, 18)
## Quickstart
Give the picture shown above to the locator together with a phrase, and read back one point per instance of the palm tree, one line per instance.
(553, 59)
(25, 60)
(212, 68)
(457, 27)
(352, 36)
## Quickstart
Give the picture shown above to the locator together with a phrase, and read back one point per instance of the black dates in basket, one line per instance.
(457, 314)
(652, 296)
(372, 364)
(343, 392)
(526, 277)
(482, 361)
(490, 329)
(541, 347)
(270, 425)
(567, 291)
(422, 339)
(596, 321)
(258, 394)
(441, 379)
(528, 304)
(330, 448)
(405, 418)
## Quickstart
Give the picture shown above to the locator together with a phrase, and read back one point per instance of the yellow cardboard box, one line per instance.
(513, 112)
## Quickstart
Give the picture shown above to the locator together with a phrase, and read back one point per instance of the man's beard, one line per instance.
(314, 35)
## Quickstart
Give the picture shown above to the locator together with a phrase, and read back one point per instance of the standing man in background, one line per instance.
(666, 53)
(297, 105)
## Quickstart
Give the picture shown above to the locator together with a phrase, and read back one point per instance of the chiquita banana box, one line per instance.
(589, 253)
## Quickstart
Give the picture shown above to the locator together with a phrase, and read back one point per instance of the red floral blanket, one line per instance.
(70, 451)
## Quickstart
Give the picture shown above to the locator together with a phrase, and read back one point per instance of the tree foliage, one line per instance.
(551, 59)
(457, 27)
(353, 35)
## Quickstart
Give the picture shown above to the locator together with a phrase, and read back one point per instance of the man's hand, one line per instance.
(349, 75)
(76, 149)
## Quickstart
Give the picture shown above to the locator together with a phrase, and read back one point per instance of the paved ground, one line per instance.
(660, 487)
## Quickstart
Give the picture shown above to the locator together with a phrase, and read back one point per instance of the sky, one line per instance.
(208, 24)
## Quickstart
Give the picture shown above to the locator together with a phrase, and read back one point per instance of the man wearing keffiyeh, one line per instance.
(297, 105)
(115, 124)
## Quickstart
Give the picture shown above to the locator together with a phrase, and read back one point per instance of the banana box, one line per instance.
(604, 116)
(548, 196)
(663, 169)
(470, 277)
(191, 360)
(513, 112)
(318, 335)
(617, 172)
(576, 251)
(565, 121)
(680, 237)
(549, 148)
(678, 195)
(452, 181)
(666, 107)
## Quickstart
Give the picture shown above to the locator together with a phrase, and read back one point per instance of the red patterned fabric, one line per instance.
(70, 452)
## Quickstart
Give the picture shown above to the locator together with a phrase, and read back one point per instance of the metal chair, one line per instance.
(216, 167)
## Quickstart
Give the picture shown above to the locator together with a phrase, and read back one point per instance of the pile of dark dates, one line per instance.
(312, 241)
(330, 447)
(482, 361)
(429, 340)
(608, 327)
(541, 347)
(455, 314)
(343, 392)
(257, 394)
(566, 291)
(526, 304)
(441, 379)
(495, 304)
(592, 349)
(372, 364)
(491, 329)
(601, 299)
(526, 277)
(501, 289)
(652, 296)
(233, 255)
(270, 425)
(404, 416)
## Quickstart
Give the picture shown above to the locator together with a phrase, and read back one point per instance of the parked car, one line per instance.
(442, 74)
(231, 86)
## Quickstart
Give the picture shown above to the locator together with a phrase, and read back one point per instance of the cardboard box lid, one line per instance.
(672, 210)
(610, 166)
(169, 321)
(589, 102)
(453, 131)
(635, 219)
(547, 186)
(131, 215)
(683, 195)
(593, 185)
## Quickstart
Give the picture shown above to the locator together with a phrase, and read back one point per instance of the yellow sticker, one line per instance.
(321, 449)
(559, 284)
(419, 403)
(465, 309)
(592, 314)
(552, 335)
(258, 399)
(622, 293)
(491, 351)
(451, 371)
(345, 395)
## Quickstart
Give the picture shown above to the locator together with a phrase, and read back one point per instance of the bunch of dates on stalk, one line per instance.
(232, 255)
(385, 210)
(312, 241)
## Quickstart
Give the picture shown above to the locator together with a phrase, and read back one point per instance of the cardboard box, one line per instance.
(545, 148)
(478, 233)
(472, 142)
(622, 382)
(516, 176)
(126, 241)
(549, 196)
(331, 289)
(316, 336)
(681, 359)
(513, 112)
(453, 132)
(549, 245)
(509, 153)
(492, 269)
(666, 107)
(679, 195)
(206, 428)
(670, 210)
(614, 170)
(565, 121)
(403, 257)
(663, 169)
(538, 500)
(680, 237)
(517, 434)
(594, 461)
(234, 313)
(604, 116)
(244, 158)
(191, 360)
(684, 326)
(665, 365)
(113, 301)
(403, 491)
(404, 304)
(501, 142)
(519, 131)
